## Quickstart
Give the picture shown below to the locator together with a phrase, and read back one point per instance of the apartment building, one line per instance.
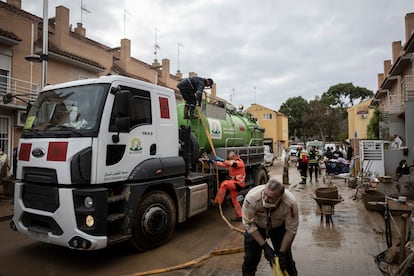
(275, 124)
(71, 56)
(395, 98)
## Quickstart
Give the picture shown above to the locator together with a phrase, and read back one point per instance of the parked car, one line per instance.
(269, 157)
(293, 149)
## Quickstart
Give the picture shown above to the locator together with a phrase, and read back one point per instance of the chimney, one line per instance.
(165, 73)
(192, 74)
(80, 30)
(409, 25)
(155, 64)
(380, 79)
(179, 75)
(62, 24)
(387, 67)
(396, 50)
(15, 3)
(214, 90)
(125, 52)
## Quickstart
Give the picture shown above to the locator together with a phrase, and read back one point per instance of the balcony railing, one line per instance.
(408, 88)
(23, 89)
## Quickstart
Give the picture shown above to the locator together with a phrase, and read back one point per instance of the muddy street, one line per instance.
(345, 247)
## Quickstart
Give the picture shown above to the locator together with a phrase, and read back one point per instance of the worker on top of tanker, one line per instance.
(233, 185)
(192, 91)
(269, 212)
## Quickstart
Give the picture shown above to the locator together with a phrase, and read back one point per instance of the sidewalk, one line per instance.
(346, 247)
(6, 208)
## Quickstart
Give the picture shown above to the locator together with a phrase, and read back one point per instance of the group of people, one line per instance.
(310, 160)
(269, 212)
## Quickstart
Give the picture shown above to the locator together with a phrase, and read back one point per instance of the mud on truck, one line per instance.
(111, 159)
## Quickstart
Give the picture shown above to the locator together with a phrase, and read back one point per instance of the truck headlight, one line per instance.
(89, 221)
(88, 202)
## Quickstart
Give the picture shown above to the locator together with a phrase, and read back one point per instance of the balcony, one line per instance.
(25, 90)
(408, 88)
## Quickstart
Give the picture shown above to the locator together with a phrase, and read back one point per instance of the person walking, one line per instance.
(314, 157)
(233, 185)
(192, 91)
(303, 165)
(269, 212)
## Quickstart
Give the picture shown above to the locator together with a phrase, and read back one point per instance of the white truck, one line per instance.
(106, 160)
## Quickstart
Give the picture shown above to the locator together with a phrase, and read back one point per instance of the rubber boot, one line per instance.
(192, 112)
(186, 109)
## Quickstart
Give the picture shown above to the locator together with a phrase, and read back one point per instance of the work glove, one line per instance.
(269, 253)
(219, 159)
(282, 260)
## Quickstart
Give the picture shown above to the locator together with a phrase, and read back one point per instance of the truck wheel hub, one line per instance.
(154, 220)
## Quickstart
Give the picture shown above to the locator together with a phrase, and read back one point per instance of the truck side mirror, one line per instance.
(122, 120)
(122, 124)
(122, 100)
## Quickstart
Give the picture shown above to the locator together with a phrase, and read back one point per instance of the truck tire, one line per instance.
(154, 221)
(261, 177)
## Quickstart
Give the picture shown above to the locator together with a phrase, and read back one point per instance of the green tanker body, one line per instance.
(227, 128)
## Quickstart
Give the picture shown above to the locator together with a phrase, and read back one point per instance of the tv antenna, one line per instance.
(83, 9)
(156, 45)
(178, 58)
(125, 14)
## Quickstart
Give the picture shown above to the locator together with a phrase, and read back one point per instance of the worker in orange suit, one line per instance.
(237, 174)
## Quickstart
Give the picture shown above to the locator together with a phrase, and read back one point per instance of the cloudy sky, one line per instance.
(263, 51)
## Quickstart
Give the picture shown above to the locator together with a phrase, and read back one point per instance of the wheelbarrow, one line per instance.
(327, 198)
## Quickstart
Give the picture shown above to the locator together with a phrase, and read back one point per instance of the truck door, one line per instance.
(118, 158)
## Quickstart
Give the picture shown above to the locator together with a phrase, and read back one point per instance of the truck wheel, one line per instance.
(154, 221)
(261, 177)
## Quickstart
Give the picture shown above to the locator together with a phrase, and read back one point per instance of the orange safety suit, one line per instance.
(237, 174)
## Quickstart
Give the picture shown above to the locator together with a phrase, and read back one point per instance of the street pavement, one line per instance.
(345, 247)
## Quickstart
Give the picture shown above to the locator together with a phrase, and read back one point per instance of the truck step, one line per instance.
(115, 198)
(114, 217)
(116, 238)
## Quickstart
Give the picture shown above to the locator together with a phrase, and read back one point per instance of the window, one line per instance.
(3, 81)
(139, 109)
(5, 129)
(267, 116)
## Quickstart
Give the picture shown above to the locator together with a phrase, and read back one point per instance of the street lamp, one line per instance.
(44, 56)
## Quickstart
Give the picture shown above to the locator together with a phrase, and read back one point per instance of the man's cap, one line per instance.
(210, 81)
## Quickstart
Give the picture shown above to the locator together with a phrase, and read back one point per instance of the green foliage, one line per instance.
(345, 94)
(373, 128)
(323, 118)
(295, 108)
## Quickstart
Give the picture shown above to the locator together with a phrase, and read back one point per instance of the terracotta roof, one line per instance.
(9, 35)
(56, 50)
(22, 13)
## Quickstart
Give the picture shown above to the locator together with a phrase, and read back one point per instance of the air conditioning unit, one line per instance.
(21, 118)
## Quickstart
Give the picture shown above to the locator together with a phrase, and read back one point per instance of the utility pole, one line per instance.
(44, 56)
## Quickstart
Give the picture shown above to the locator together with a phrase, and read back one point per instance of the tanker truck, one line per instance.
(107, 160)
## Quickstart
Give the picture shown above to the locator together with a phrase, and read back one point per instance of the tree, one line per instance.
(322, 122)
(373, 128)
(295, 108)
(345, 94)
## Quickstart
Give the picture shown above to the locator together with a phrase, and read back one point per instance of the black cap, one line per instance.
(210, 81)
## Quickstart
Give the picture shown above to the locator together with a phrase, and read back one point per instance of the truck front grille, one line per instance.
(40, 175)
(40, 197)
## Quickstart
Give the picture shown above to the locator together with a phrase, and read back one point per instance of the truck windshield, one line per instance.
(73, 110)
